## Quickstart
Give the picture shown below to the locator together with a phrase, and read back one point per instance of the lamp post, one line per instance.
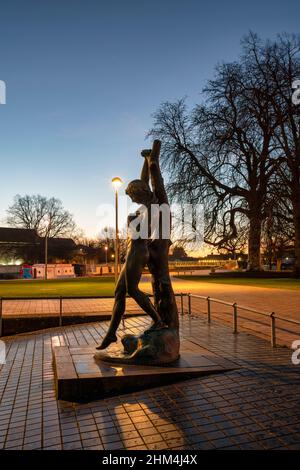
(47, 225)
(116, 182)
(107, 244)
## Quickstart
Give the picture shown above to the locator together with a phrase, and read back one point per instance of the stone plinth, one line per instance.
(80, 377)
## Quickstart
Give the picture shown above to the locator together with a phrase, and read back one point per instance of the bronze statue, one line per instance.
(160, 343)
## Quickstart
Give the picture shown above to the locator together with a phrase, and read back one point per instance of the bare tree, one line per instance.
(222, 152)
(32, 212)
(279, 61)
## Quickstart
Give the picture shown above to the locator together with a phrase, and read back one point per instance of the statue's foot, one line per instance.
(107, 341)
(159, 325)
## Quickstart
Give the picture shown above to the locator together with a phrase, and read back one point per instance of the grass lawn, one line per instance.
(55, 287)
(284, 283)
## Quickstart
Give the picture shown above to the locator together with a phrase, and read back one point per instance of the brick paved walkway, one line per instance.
(285, 302)
(254, 323)
(70, 306)
(255, 407)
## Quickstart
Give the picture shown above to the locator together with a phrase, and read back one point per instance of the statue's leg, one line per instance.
(117, 313)
(136, 261)
(155, 285)
(158, 264)
(154, 267)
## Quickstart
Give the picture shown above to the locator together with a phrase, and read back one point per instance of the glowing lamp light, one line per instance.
(116, 182)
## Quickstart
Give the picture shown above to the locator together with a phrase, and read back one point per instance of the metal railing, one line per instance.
(60, 313)
(16, 299)
(235, 309)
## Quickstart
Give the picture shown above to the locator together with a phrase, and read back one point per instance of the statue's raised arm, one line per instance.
(157, 181)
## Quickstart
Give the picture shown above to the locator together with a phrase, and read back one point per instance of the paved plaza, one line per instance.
(285, 302)
(256, 406)
(45, 307)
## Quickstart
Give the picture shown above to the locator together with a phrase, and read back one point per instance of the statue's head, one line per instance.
(139, 192)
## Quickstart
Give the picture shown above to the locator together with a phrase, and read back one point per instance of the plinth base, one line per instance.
(79, 377)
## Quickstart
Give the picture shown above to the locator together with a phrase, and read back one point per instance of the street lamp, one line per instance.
(106, 248)
(47, 225)
(116, 182)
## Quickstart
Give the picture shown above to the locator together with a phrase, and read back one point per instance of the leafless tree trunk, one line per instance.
(254, 242)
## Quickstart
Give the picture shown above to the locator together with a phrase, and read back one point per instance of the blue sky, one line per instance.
(84, 76)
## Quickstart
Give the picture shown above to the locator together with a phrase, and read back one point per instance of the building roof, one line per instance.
(23, 235)
(17, 235)
(67, 243)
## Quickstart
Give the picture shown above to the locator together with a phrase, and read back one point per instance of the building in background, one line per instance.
(18, 245)
(60, 250)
